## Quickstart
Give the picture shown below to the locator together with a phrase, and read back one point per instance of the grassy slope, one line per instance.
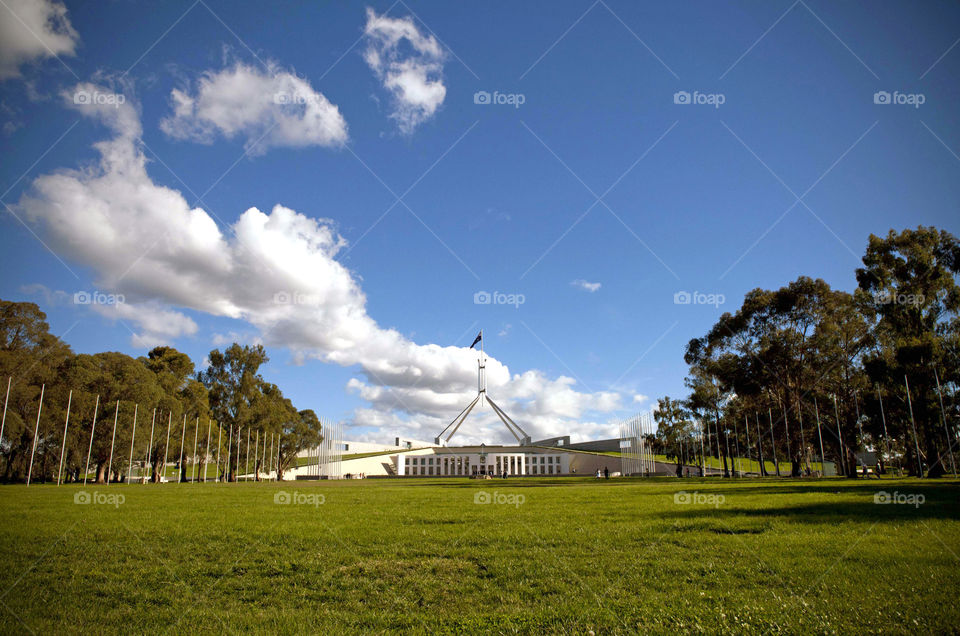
(419, 555)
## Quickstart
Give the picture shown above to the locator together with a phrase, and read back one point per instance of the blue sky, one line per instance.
(598, 177)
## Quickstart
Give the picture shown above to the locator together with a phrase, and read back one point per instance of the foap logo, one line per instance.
(97, 298)
(96, 98)
(700, 99)
(84, 498)
(900, 99)
(500, 99)
(504, 499)
(684, 498)
(886, 297)
(284, 498)
(284, 98)
(698, 298)
(296, 298)
(913, 499)
(498, 298)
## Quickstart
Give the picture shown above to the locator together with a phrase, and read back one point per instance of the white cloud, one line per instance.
(412, 73)
(268, 108)
(640, 398)
(37, 29)
(279, 273)
(585, 285)
(160, 325)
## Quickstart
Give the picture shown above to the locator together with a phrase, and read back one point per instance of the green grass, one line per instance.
(418, 555)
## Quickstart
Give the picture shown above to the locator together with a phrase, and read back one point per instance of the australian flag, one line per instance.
(479, 338)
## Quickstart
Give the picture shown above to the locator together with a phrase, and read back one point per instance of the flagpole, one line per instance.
(816, 410)
(196, 429)
(63, 446)
(133, 437)
(166, 448)
(153, 420)
(7, 399)
(883, 418)
(913, 424)
(183, 436)
(36, 431)
(946, 431)
(113, 440)
(206, 452)
(93, 428)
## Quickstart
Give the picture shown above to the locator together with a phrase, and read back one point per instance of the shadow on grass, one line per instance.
(825, 512)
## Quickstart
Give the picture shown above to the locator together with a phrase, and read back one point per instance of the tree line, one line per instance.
(156, 407)
(807, 373)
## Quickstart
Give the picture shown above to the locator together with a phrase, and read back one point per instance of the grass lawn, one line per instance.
(547, 556)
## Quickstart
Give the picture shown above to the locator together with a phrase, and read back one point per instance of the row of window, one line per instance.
(424, 465)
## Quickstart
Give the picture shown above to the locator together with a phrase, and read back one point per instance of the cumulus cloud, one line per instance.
(278, 272)
(409, 65)
(31, 30)
(268, 108)
(159, 325)
(585, 285)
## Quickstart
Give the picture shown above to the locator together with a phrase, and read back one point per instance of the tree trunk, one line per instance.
(101, 470)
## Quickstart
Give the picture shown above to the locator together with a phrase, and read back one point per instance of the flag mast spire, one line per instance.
(521, 436)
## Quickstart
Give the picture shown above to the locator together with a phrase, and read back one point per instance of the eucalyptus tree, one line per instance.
(30, 357)
(908, 287)
(234, 386)
(674, 431)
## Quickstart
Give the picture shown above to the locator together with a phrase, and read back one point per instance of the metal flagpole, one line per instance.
(219, 448)
(113, 440)
(883, 418)
(271, 456)
(36, 431)
(916, 441)
(237, 477)
(3, 423)
(63, 446)
(786, 433)
(136, 407)
(246, 463)
(183, 436)
(856, 406)
(196, 429)
(746, 426)
(256, 453)
(148, 466)
(773, 442)
(226, 472)
(166, 448)
(843, 448)
(763, 467)
(816, 410)
(703, 457)
(946, 431)
(206, 453)
(263, 459)
(90, 449)
(804, 456)
(736, 441)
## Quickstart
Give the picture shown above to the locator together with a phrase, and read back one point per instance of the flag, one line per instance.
(479, 338)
